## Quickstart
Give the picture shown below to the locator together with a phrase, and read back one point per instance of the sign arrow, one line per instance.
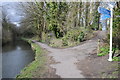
(104, 11)
(104, 16)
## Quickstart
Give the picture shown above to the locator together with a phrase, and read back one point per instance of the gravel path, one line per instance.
(75, 62)
(67, 58)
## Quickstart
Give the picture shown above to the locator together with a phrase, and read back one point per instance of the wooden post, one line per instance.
(98, 48)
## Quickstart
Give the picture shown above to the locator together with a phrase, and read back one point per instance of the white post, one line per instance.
(111, 23)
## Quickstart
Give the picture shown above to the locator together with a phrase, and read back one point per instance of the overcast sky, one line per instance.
(13, 11)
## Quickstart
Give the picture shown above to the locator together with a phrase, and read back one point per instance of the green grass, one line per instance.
(116, 58)
(104, 50)
(37, 66)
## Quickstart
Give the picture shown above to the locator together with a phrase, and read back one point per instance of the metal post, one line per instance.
(111, 23)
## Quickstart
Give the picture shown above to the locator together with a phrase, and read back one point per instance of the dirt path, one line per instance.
(67, 58)
(79, 61)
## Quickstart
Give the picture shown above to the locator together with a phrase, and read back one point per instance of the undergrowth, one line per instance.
(104, 50)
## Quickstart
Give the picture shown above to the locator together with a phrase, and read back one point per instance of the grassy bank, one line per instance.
(104, 50)
(113, 70)
(37, 67)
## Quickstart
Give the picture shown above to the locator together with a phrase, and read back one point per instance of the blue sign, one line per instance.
(104, 16)
(104, 11)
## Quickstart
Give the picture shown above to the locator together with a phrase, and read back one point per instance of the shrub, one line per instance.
(81, 37)
(75, 35)
(64, 42)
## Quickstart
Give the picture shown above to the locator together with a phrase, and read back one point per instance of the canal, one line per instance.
(15, 56)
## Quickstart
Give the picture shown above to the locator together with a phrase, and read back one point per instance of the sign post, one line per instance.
(111, 23)
(108, 14)
(111, 5)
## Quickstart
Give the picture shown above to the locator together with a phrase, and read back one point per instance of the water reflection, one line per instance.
(15, 57)
(18, 48)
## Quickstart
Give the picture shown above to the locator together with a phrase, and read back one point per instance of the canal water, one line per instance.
(15, 56)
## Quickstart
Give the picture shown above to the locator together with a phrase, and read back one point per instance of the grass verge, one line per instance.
(104, 50)
(37, 67)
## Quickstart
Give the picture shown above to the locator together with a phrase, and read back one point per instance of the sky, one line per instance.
(13, 11)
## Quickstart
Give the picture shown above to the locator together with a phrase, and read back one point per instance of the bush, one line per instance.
(74, 35)
(81, 37)
(64, 42)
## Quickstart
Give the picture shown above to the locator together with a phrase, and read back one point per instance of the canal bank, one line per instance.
(40, 67)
